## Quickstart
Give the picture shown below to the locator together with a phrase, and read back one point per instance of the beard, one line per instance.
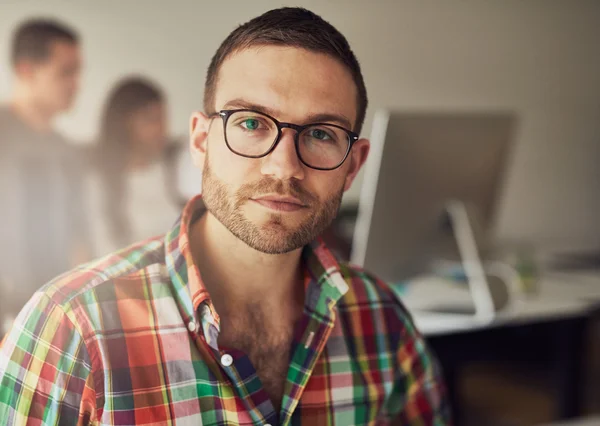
(274, 236)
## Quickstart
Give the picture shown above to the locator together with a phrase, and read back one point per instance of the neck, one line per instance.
(28, 111)
(236, 275)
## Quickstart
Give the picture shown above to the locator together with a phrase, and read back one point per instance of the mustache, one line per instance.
(291, 188)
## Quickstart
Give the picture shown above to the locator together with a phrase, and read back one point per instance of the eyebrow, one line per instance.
(312, 118)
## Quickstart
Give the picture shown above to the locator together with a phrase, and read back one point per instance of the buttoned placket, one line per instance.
(237, 367)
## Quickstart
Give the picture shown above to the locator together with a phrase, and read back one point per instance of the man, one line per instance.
(240, 315)
(40, 212)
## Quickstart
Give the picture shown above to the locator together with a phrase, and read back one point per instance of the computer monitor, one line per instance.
(431, 178)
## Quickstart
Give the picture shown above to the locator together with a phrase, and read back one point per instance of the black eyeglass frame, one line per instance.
(225, 114)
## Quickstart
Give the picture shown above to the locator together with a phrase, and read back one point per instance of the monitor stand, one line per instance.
(462, 225)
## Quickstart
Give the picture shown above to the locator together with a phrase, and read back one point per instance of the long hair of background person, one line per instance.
(112, 153)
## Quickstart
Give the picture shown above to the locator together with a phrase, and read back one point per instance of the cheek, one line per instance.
(149, 135)
(325, 185)
(60, 80)
(157, 130)
(229, 167)
(45, 82)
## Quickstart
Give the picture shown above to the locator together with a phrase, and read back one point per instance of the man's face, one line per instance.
(55, 80)
(276, 204)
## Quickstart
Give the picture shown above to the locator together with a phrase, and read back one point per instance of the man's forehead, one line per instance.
(292, 81)
(63, 49)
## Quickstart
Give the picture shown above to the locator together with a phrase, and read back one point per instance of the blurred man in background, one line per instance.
(41, 234)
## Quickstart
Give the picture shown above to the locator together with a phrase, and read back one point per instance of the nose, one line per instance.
(283, 162)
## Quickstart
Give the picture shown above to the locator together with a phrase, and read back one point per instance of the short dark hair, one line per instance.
(293, 27)
(33, 38)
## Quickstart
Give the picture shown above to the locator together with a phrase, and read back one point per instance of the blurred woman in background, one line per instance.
(134, 193)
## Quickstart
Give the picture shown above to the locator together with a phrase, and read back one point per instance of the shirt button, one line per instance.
(226, 360)
(192, 326)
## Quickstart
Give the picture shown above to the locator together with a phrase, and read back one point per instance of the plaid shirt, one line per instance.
(131, 339)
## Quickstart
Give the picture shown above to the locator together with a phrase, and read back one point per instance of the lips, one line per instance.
(280, 203)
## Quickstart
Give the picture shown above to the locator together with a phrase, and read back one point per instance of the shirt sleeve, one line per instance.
(419, 395)
(419, 391)
(45, 370)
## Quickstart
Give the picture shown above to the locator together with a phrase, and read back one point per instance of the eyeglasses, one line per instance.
(252, 134)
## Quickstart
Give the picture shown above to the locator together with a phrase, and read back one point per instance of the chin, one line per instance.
(273, 242)
(273, 235)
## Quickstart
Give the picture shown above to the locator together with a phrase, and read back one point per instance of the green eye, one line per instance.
(319, 134)
(251, 124)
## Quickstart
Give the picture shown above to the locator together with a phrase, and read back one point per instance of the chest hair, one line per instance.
(266, 341)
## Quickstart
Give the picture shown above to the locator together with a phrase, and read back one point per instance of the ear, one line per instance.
(24, 69)
(199, 127)
(358, 156)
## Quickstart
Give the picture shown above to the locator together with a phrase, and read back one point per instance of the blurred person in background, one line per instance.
(41, 214)
(134, 193)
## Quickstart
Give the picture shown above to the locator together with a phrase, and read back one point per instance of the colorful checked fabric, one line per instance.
(131, 339)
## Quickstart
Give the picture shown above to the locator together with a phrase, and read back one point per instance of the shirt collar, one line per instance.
(323, 271)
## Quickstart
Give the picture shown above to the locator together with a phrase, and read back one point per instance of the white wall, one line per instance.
(538, 58)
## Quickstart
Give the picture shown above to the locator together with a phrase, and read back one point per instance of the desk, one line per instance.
(557, 316)
(560, 296)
